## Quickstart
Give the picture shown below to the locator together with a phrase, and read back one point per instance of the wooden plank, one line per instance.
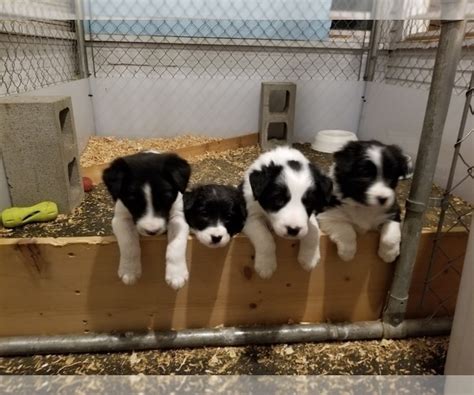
(95, 172)
(70, 285)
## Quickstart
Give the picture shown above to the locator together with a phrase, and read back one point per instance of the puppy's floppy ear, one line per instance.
(259, 179)
(114, 176)
(188, 200)
(344, 158)
(178, 171)
(404, 167)
(323, 191)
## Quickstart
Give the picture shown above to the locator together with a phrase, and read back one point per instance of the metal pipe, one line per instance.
(60, 344)
(80, 38)
(373, 49)
(449, 183)
(447, 57)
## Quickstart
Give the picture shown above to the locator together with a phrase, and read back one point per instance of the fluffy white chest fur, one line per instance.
(361, 217)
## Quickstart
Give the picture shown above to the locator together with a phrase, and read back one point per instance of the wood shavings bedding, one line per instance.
(101, 150)
(388, 357)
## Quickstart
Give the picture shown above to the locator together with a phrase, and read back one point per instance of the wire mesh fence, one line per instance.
(445, 262)
(265, 41)
(36, 53)
(408, 51)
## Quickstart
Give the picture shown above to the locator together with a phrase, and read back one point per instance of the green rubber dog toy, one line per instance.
(17, 216)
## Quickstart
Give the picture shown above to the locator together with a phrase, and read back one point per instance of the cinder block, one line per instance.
(277, 114)
(40, 154)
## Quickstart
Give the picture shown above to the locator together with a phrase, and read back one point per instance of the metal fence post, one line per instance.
(80, 37)
(447, 57)
(375, 34)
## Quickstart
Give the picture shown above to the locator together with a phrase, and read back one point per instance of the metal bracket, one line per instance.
(417, 207)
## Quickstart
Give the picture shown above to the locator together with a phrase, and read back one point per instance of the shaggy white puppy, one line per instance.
(284, 190)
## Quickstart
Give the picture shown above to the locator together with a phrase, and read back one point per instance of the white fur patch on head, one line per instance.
(374, 153)
(291, 220)
(379, 193)
(150, 223)
(213, 236)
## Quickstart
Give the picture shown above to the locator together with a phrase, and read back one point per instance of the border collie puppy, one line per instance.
(147, 189)
(284, 190)
(365, 175)
(215, 213)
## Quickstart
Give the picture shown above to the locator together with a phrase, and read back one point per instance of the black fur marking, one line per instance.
(295, 165)
(167, 174)
(271, 194)
(319, 196)
(206, 205)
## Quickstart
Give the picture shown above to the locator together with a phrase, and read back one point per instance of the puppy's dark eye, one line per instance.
(166, 195)
(366, 169)
(278, 201)
(132, 198)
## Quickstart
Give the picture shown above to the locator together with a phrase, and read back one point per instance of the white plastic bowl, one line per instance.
(330, 141)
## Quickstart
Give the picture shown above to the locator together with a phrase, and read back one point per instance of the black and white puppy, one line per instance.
(365, 175)
(215, 213)
(147, 189)
(284, 190)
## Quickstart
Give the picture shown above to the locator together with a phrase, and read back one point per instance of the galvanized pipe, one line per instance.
(29, 345)
(373, 49)
(80, 38)
(447, 57)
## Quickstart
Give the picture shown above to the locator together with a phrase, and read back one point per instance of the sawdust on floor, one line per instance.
(101, 150)
(419, 356)
(93, 217)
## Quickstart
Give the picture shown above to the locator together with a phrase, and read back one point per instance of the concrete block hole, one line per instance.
(277, 131)
(279, 101)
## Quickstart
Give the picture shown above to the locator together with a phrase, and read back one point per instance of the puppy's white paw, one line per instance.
(389, 252)
(265, 265)
(130, 273)
(346, 251)
(176, 275)
(309, 257)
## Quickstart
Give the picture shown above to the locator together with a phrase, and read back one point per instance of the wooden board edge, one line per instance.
(95, 172)
(63, 241)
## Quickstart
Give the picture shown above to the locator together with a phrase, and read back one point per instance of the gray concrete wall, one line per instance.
(394, 114)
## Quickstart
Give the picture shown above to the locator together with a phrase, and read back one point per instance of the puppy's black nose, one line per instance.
(293, 231)
(381, 199)
(216, 239)
(151, 232)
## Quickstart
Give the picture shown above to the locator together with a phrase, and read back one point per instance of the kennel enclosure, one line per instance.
(139, 77)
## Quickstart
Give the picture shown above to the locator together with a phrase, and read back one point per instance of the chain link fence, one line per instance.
(35, 50)
(408, 50)
(266, 41)
(444, 261)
